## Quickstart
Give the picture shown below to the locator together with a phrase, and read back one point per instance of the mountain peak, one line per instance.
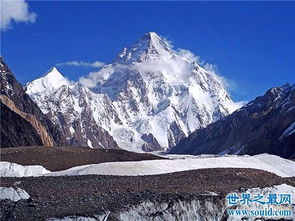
(51, 80)
(153, 40)
(53, 72)
(53, 68)
(148, 99)
(151, 33)
(149, 47)
(151, 36)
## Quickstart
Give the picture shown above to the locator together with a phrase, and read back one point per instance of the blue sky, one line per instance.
(252, 43)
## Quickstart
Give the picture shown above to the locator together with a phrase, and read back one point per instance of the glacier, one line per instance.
(206, 209)
(283, 167)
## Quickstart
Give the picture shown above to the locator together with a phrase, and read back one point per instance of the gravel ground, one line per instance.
(91, 194)
(61, 158)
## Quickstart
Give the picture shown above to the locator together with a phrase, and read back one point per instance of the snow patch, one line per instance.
(81, 218)
(290, 130)
(89, 143)
(8, 169)
(12, 194)
(72, 130)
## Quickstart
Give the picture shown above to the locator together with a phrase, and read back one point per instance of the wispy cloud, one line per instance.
(15, 11)
(95, 64)
(230, 86)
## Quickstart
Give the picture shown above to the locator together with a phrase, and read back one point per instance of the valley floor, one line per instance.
(89, 195)
(82, 184)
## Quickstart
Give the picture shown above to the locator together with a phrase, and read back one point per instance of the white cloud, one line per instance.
(15, 11)
(95, 64)
(95, 77)
(176, 69)
(88, 81)
(212, 69)
(188, 55)
(229, 85)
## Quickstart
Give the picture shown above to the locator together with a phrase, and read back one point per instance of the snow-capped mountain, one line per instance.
(264, 125)
(51, 81)
(79, 112)
(149, 98)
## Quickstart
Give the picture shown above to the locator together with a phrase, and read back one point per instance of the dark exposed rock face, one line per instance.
(99, 137)
(11, 89)
(16, 131)
(151, 143)
(31, 119)
(264, 125)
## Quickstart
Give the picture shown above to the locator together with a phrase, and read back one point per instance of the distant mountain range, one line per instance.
(151, 98)
(264, 125)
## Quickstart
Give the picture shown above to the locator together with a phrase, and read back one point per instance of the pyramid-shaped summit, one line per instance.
(149, 47)
(50, 81)
(53, 71)
(152, 39)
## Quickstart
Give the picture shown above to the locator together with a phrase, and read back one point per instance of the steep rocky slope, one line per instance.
(22, 122)
(26, 134)
(264, 125)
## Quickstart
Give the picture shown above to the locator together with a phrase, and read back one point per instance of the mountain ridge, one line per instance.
(264, 125)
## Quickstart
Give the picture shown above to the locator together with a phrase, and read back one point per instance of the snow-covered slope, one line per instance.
(282, 167)
(149, 98)
(50, 81)
(42, 88)
(83, 116)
